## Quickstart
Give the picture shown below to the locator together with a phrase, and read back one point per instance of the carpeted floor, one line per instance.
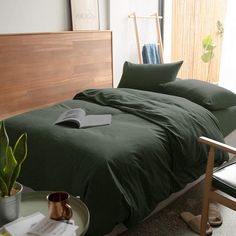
(167, 222)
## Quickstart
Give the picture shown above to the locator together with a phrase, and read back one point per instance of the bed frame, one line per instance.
(41, 69)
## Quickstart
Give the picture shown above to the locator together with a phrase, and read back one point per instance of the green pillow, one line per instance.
(148, 76)
(210, 96)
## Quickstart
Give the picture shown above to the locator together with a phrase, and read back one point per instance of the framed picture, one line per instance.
(85, 14)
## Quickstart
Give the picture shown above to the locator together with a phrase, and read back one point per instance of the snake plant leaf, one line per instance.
(10, 166)
(14, 177)
(3, 188)
(10, 160)
(20, 153)
(20, 149)
(4, 143)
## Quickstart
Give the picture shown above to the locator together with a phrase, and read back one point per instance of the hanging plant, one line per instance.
(220, 28)
(208, 52)
(208, 49)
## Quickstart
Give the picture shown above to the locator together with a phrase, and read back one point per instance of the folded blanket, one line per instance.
(150, 54)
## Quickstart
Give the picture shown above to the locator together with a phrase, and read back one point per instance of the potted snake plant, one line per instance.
(11, 160)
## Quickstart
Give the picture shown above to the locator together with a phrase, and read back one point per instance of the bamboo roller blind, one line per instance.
(192, 20)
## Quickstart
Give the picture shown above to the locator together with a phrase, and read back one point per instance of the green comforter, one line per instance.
(123, 170)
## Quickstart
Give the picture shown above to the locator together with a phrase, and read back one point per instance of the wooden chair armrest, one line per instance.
(217, 144)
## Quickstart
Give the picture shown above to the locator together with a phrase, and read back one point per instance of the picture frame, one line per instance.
(85, 14)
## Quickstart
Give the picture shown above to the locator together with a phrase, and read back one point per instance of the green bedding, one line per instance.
(123, 170)
(227, 119)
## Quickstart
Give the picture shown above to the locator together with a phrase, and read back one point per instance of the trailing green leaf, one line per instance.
(206, 57)
(208, 48)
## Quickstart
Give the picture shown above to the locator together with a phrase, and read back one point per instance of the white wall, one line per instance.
(227, 70)
(104, 14)
(167, 30)
(124, 41)
(18, 16)
(24, 16)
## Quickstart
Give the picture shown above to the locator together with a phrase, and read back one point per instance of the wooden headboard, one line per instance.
(41, 69)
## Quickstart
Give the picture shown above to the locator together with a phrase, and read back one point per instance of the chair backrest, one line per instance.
(209, 190)
(215, 144)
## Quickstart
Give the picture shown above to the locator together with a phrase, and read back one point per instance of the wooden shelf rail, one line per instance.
(159, 44)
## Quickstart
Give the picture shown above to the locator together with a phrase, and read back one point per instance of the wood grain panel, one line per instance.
(45, 68)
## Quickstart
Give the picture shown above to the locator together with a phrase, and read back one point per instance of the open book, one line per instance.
(78, 117)
(38, 224)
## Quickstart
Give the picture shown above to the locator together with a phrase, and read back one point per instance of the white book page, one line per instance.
(79, 117)
(96, 120)
(48, 227)
(76, 115)
(23, 225)
(38, 224)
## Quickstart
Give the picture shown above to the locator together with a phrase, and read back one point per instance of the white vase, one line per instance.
(10, 206)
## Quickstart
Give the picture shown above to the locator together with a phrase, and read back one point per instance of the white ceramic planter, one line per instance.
(10, 206)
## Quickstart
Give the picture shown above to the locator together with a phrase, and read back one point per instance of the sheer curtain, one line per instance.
(227, 70)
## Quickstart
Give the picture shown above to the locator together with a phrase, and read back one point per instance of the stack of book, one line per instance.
(40, 225)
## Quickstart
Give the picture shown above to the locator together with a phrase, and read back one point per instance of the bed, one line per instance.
(123, 170)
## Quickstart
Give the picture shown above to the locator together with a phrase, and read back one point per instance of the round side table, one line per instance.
(32, 202)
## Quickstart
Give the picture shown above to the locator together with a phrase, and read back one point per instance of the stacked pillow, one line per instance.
(210, 96)
(148, 76)
(162, 78)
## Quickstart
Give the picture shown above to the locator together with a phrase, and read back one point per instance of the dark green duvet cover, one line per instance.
(121, 171)
(227, 119)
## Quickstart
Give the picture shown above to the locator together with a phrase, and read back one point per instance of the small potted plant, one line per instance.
(11, 160)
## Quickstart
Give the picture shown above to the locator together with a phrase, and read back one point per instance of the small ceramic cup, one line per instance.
(58, 207)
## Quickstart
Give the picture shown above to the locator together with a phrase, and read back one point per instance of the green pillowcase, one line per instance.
(210, 96)
(148, 76)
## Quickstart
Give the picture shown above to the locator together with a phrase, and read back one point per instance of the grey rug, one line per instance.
(167, 222)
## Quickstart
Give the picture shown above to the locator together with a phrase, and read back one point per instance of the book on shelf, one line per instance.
(78, 117)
